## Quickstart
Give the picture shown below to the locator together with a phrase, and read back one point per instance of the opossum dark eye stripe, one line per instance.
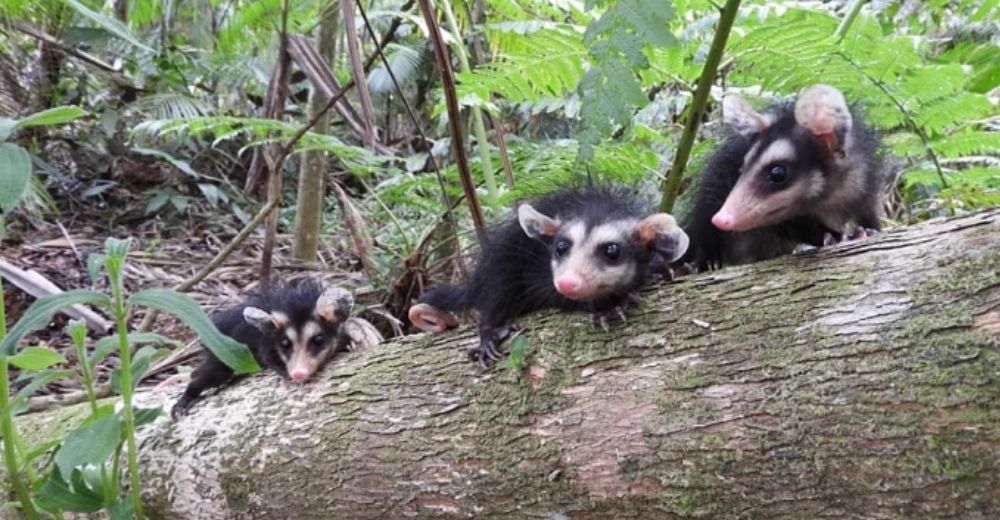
(563, 246)
(318, 340)
(286, 343)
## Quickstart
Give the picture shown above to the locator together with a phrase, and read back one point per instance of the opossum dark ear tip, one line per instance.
(334, 305)
(536, 224)
(660, 233)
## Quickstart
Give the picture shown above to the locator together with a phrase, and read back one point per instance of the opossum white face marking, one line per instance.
(306, 345)
(590, 263)
(787, 171)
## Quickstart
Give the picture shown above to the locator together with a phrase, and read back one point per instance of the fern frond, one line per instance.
(403, 60)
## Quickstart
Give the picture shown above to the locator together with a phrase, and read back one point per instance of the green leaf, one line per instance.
(231, 352)
(7, 126)
(109, 344)
(15, 171)
(122, 509)
(117, 248)
(52, 116)
(518, 352)
(77, 330)
(145, 415)
(94, 264)
(89, 444)
(39, 380)
(40, 312)
(109, 24)
(57, 495)
(36, 358)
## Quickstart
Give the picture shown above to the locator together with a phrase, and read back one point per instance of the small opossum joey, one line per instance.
(584, 249)
(792, 175)
(292, 329)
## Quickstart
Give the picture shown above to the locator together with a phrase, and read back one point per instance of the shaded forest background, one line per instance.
(179, 124)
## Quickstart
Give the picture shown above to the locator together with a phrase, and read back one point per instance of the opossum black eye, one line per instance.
(318, 340)
(611, 251)
(778, 174)
(286, 343)
(562, 247)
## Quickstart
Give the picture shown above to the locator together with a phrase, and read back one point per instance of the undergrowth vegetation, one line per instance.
(167, 104)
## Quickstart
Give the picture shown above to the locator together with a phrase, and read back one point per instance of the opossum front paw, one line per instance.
(489, 349)
(603, 318)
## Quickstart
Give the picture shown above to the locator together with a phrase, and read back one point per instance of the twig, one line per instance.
(454, 118)
(672, 182)
(186, 285)
(359, 74)
(72, 244)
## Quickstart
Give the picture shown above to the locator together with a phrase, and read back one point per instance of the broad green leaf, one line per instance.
(110, 24)
(518, 352)
(231, 352)
(52, 116)
(40, 312)
(15, 171)
(140, 363)
(109, 344)
(57, 495)
(40, 450)
(36, 358)
(89, 444)
(37, 381)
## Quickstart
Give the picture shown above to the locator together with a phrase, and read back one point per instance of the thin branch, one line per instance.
(848, 20)
(368, 119)
(454, 118)
(672, 182)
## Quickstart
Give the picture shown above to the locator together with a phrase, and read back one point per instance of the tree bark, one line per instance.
(860, 381)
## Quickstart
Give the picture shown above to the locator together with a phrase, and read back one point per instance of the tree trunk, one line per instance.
(858, 381)
(309, 210)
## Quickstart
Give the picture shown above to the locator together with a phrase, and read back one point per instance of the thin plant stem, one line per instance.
(852, 14)
(126, 389)
(672, 182)
(9, 433)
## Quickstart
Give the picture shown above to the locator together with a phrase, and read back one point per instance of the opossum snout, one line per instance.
(724, 220)
(299, 374)
(570, 285)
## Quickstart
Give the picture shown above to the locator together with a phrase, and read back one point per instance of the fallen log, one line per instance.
(862, 380)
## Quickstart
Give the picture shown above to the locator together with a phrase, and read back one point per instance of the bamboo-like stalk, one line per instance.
(477, 114)
(848, 20)
(672, 182)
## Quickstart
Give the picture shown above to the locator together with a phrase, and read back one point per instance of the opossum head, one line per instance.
(302, 325)
(593, 258)
(795, 161)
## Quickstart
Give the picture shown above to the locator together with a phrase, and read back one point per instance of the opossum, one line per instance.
(586, 248)
(292, 329)
(795, 174)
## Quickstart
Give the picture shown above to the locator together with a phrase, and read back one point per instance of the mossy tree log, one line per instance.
(858, 381)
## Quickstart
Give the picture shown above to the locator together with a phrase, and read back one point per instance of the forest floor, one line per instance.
(162, 256)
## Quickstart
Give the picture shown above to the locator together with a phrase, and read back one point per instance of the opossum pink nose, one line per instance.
(724, 220)
(569, 284)
(299, 375)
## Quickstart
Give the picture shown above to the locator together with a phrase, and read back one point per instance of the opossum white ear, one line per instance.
(431, 319)
(737, 113)
(535, 224)
(661, 234)
(262, 320)
(334, 305)
(823, 112)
